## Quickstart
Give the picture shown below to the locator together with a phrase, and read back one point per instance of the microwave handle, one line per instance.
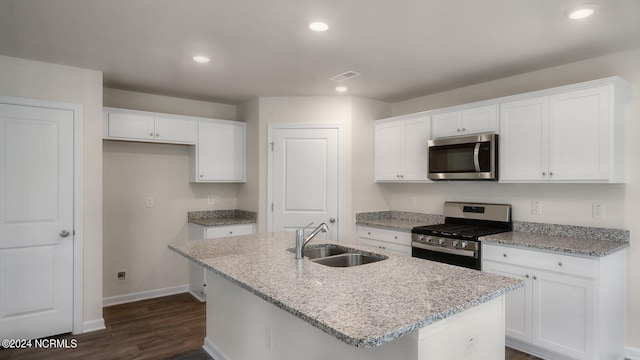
(476, 157)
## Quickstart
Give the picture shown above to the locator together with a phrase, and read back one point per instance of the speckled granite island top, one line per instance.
(221, 217)
(363, 306)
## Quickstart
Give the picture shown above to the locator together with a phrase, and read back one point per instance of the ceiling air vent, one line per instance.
(344, 76)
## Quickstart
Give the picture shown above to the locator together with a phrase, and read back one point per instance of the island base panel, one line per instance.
(240, 325)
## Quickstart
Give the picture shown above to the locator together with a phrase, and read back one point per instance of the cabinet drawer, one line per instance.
(231, 230)
(396, 237)
(388, 246)
(541, 260)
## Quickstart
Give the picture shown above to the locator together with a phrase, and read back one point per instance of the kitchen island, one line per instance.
(266, 304)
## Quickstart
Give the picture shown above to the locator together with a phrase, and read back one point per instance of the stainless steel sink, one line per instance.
(321, 251)
(338, 256)
(349, 259)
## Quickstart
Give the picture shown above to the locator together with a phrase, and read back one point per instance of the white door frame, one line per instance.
(77, 197)
(270, 181)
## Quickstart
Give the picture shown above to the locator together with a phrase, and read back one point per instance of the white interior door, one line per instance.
(36, 221)
(305, 178)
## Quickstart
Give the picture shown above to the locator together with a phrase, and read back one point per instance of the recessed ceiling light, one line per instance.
(581, 12)
(341, 89)
(201, 59)
(318, 26)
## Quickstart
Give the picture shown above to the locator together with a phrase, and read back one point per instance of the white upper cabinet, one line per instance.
(219, 155)
(570, 136)
(131, 125)
(401, 149)
(477, 120)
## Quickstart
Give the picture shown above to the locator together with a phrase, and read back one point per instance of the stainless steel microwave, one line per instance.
(473, 157)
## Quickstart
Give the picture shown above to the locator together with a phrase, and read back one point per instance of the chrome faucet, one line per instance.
(301, 241)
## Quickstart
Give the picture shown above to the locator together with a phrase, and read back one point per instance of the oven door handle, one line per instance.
(441, 249)
(476, 157)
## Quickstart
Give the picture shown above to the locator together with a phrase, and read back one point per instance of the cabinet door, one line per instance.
(564, 311)
(175, 130)
(416, 134)
(523, 141)
(479, 120)
(518, 317)
(447, 124)
(579, 135)
(389, 151)
(130, 126)
(220, 152)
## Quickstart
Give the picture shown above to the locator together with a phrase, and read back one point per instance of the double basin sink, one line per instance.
(339, 256)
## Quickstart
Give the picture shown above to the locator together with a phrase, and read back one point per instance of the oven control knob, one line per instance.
(441, 241)
(463, 244)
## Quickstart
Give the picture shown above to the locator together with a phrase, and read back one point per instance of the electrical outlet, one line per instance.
(121, 276)
(598, 210)
(412, 200)
(150, 201)
(267, 340)
(470, 344)
(536, 207)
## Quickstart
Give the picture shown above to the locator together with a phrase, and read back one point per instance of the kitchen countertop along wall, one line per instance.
(566, 239)
(397, 220)
(221, 217)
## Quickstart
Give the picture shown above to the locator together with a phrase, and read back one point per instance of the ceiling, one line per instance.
(403, 48)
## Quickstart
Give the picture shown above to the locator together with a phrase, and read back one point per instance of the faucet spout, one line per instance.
(301, 241)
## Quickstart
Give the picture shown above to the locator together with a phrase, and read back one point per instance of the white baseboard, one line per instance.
(213, 350)
(632, 353)
(144, 295)
(93, 325)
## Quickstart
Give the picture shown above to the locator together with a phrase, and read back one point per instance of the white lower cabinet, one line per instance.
(197, 285)
(394, 241)
(570, 307)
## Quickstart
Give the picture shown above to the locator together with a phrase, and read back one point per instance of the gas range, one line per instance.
(456, 241)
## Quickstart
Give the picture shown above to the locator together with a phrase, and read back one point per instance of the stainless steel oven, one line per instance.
(456, 242)
(472, 157)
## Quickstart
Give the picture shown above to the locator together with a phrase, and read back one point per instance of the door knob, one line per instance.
(64, 233)
(332, 220)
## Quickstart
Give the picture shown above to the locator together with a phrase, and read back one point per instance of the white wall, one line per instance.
(135, 237)
(562, 203)
(37, 80)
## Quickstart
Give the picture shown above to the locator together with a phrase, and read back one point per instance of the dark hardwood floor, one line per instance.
(171, 327)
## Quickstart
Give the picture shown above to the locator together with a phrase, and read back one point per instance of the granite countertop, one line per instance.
(397, 220)
(221, 217)
(363, 306)
(561, 244)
